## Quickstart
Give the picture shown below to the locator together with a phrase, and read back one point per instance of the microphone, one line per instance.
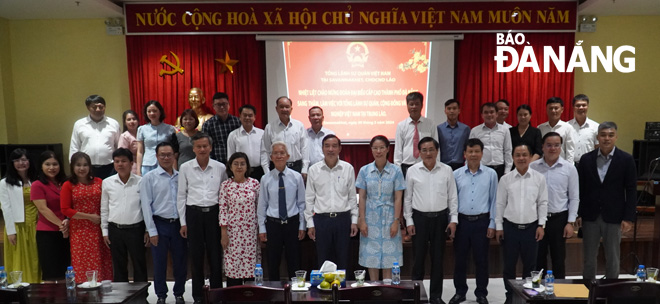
(655, 159)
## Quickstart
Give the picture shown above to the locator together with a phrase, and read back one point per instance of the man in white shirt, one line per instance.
(430, 208)
(97, 135)
(586, 130)
(502, 106)
(291, 132)
(122, 224)
(197, 202)
(331, 205)
(410, 131)
(315, 135)
(247, 139)
(496, 139)
(554, 107)
(563, 202)
(521, 212)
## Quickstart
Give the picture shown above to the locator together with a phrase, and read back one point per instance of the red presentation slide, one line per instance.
(361, 86)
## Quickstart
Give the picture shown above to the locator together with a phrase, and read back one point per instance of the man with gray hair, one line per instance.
(280, 213)
(198, 197)
(607, 200)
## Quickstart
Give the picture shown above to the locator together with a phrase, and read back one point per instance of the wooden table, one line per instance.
(316, 295)
(58, 294)
(519, 296)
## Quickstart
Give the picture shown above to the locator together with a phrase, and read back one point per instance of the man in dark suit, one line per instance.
(607, 200)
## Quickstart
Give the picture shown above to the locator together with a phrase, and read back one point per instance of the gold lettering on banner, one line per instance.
(175, 67)
(428, 16)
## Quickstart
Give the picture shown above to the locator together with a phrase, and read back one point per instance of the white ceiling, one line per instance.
(88, 9)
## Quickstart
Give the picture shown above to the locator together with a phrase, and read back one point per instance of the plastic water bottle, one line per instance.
(641, 273)
(70, 276)
(396, 274)
(258, 275)
(549, 283)
(3, 277)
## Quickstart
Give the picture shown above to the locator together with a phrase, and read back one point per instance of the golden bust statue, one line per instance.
(196, 100)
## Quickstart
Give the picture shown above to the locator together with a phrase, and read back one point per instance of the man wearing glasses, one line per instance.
(158, 192)
(220, 125)
(563, 200)
(97, 135)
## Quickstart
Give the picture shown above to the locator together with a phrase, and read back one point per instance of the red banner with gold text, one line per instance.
(349, 18)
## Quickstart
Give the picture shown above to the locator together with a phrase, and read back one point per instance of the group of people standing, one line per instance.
(216, 193)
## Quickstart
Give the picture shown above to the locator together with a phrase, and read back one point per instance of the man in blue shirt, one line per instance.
(452, 136)
(158, 190)
(477, 192)
(281, 228)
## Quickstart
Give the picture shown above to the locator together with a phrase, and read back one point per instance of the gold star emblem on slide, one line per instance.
(227, 63)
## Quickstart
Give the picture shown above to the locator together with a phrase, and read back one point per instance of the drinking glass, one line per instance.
(536, 279)
(651, 274)
(300, 276)
(91, 277)
(359, 277)
(16, 277)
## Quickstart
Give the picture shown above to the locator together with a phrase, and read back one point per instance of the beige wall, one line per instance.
(630, 99)
(7, 112)
(56, 64)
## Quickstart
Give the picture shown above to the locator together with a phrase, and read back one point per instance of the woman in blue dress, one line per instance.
(150, 135)
(380, 185)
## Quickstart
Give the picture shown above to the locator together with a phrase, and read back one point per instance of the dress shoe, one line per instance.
(482, 300)
(161, 301)
(197, 302)
(437, 301)
(179, 300)
(457, 299)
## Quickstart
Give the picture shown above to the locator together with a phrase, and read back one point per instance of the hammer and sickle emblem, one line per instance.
(175, 67)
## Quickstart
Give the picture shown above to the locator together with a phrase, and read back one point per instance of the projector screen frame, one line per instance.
(434, 109)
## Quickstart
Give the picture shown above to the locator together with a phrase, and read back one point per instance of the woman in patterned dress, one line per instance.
(20, 214)
(238, 220)
(380, 185)
(80, 200)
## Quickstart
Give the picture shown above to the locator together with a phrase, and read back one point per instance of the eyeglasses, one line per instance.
(221, 104)
(166, 155)
(241, 164)
(550, 146)
(21, 160)
(425, 151)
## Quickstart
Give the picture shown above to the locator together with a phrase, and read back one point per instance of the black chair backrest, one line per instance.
(247, 294)
(624, 293)
(18, 295)
(376, 294)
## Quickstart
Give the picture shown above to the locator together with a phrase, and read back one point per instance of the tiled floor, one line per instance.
(495, 290)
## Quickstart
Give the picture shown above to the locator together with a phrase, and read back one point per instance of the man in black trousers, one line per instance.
(281, 213)
(563, 201)
(430, 200)
(197, 202)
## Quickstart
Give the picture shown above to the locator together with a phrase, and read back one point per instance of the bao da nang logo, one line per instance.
(508, 60)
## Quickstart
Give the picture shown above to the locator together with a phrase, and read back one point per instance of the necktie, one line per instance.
(282, 198)
(416, 141)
